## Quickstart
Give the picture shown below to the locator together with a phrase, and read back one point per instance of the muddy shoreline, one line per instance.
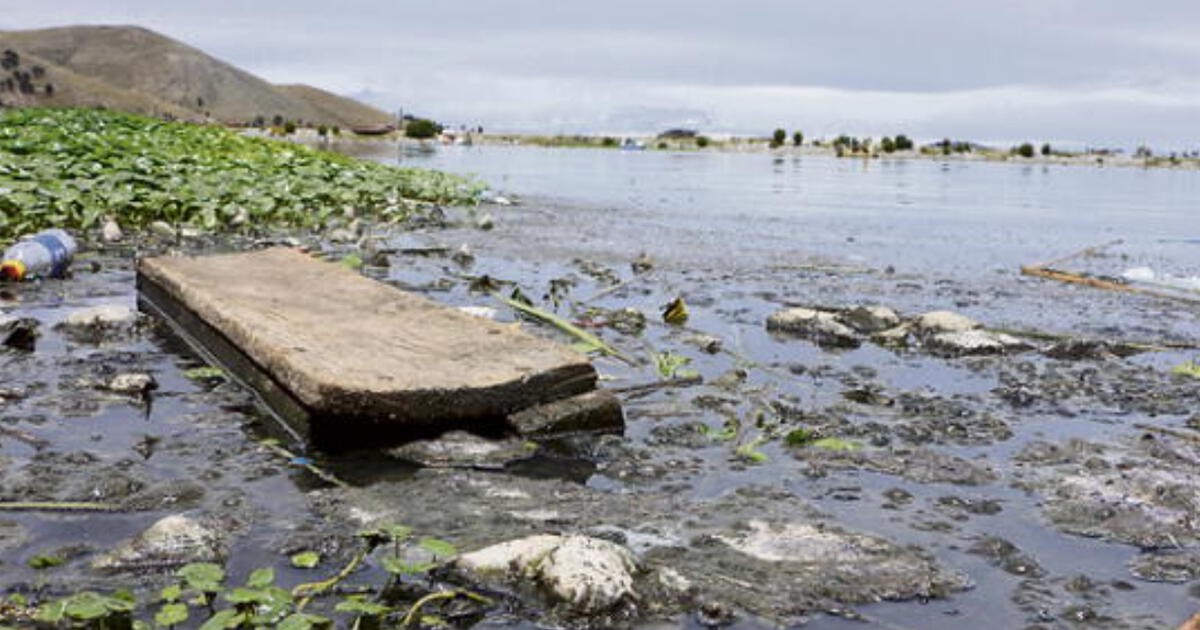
(1007, 490)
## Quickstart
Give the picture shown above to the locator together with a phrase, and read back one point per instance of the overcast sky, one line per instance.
(1099, 72)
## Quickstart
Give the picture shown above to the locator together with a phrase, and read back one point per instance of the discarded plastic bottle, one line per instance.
(47, 253)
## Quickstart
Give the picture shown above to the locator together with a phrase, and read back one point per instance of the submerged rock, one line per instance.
(820, 327)
(1167, 566)
(587, 576)
(972, 342)
(936, 322)
(460, 449)
(1090, 349)
(172, 541)
(597, 410)
(111, 232)
(18, 333)
(97, 324)
(132, 383)
(869, 319)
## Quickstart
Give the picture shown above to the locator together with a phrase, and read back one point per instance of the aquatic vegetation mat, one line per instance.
(71, 168)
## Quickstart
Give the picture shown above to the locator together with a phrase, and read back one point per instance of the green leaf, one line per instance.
(204, 373)
(202, 576)
(52, 612)
(45, 561)
(352, 261)
(439, 548)
(242, 595)
(171, 593)
(171, 614)
(836, 444)
(86, 606)
(227, 618)
(306, 560)
(359, 605)
(800, 437)
(261, 578)
(301, 621)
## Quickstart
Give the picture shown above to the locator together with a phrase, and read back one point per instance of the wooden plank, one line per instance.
(355, 353)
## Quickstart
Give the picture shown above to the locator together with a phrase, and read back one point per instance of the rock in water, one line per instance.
(460, 449)
(172, 541)
(18, 333)
(869, 319)
(936, 322)
(132, 383)
(820, 327)
(972, 342)
(99, 323)
(589, 576)
(111, 232)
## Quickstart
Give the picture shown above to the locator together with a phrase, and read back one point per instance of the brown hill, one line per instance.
(334, 106)
(134, 68)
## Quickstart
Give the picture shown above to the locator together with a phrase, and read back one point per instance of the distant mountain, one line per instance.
(135, 69)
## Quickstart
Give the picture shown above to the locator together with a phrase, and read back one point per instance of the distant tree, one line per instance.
(702, 141)
(608, 141)
(1025, 150)
(38, 72)
(277, 120)
(10, 59)
(199, 102)
(946, 146)
(322, 130)
(887, 145)
(49, 89)
(902, 143)
(337, 131)
(289, 127)
(797, 138)
(662, 145)
(778, 137)
(1046, 149)
(259, 121)
(421, 128)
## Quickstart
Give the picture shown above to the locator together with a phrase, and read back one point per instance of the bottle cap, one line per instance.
(12, 270)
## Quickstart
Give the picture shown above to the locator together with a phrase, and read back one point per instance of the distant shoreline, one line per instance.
(763, 146)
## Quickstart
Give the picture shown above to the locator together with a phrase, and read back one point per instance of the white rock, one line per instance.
(163, 230)
(870, 319)
(132, 383)
(104, 315)
(819, 326)
(111, 232)
(485, 222)
(800, 543)
(936, 322)
(972, 342)
(587, 574)
(486, 312)
(172, 541)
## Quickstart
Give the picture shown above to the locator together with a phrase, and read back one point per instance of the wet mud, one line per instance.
(780, 480)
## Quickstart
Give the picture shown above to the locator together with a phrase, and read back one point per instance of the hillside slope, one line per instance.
(329, 104)
(160, 70)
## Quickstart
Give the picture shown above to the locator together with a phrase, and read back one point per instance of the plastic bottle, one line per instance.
(47, 253)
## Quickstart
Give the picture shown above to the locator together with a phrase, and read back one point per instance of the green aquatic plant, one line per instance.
(1189, 368)
(71, 168)
(668, 364)
(204, 373)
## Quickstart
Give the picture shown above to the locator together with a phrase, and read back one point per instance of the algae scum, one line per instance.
(849, 467)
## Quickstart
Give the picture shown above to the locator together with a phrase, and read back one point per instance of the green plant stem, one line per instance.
(420, 603)
(312, 589)
(312, 468)
(565, 326)
(66, 506)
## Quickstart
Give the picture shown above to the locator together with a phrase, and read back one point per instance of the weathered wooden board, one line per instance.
(335, 352)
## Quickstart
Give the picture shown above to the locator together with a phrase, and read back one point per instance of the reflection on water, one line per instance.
(921, 214)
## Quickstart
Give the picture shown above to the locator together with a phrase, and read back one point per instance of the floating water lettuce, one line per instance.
(70, 168)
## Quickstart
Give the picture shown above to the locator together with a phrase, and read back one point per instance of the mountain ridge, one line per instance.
(136, 69)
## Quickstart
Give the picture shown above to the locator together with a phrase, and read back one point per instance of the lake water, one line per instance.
(916, 214)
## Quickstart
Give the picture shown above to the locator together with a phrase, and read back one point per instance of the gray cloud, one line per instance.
(990, 69)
